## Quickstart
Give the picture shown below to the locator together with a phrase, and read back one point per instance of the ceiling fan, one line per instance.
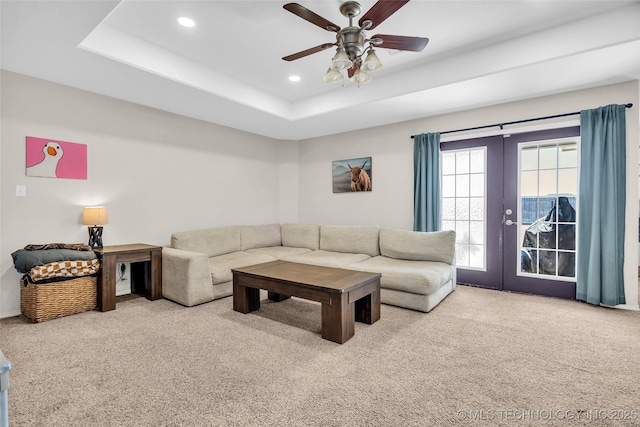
(352, 42)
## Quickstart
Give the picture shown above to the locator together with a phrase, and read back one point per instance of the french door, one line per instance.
(511, 200)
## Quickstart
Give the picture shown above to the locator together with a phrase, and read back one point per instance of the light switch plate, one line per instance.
(21, 191)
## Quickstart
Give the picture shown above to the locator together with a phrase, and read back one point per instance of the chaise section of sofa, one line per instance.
(418, 269)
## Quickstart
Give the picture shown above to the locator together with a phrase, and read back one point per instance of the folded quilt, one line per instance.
(74, 246)
(24, 260)
(69, 269)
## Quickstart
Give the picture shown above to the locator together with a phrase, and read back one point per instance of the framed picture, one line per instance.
(351, 175)
(56, 159)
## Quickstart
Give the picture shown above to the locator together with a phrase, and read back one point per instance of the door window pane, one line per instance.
(547, 201)
(449, 209)
(529, 159)
(568, 181)
(566, 264)
(462, 255)
(476, 232)
(462, 162)
(462, 208)
(529, 183)
(449, 186)
(476, 208)
(548, 157)
(476, 161)
(567, 236)
(462, 231)
(547, 262)
(449, 225)
(448, 163)
(567, 157)
(464, 175)
(476, 256)
(548, 182)
(476, 186)
(462, 185)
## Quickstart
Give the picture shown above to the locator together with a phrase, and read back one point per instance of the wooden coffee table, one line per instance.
(345, 295)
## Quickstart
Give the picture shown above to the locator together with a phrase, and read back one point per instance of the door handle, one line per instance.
(509, 222)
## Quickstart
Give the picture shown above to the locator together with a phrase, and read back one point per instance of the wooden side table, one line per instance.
(146, 267)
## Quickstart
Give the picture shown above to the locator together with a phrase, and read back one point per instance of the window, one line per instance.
(548, 184)
(464, 204)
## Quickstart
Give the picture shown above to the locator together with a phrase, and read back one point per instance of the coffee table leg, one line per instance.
(368, 308)
(277, 297)
(245, 299)
(338, 319)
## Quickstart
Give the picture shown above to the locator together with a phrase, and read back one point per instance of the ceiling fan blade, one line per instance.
(351, 71)
(381, 11)
(312, 17)
(414, 44)
(309, 51)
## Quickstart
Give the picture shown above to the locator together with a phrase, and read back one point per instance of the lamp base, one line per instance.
(95, 237)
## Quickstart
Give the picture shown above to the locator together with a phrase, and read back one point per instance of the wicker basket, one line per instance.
(42, 302)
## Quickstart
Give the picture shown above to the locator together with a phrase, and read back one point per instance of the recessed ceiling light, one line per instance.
(186, 22)
(294, 78)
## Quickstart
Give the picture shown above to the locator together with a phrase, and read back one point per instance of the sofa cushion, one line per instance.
(417, 277)
(260, 236)
(328, 259)
(301, 236)
(350, 239)
(212, 241)
(279, 252)
(220, 266)
(418, 246)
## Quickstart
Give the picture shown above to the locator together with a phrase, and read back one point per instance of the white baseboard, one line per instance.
(625, 307)
(10, 314)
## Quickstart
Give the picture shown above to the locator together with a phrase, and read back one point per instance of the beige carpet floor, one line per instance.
(480, 358)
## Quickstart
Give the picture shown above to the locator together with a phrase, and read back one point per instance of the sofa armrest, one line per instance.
(186, 277)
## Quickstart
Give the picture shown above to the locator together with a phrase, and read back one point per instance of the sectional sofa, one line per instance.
(418, 268)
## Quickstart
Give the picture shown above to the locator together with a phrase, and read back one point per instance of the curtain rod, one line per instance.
(518, 121)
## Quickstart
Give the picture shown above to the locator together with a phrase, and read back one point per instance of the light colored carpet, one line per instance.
(496, 357)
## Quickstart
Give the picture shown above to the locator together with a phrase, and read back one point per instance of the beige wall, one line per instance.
(156, 172)
(391, 148)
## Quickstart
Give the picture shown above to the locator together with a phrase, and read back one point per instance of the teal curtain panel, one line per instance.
(601, 206)
(426, 182)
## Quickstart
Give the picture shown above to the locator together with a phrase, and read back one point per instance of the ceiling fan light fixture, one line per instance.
(352, 42)
(372, 62)
(333, 76)
(340, 60)
(360, 78)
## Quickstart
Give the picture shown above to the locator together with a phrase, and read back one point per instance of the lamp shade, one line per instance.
(340, 61)
(333, 76)
(361, 78)
(96, 215)
(372, 62)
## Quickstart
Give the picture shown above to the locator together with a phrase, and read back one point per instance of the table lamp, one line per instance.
(94, 217)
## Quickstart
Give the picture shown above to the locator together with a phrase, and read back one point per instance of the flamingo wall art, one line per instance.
(56, 159)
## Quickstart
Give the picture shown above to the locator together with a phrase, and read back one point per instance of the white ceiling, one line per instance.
(228, 69)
